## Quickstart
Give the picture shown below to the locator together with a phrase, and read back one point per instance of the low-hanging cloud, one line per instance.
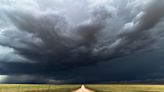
(64, 36)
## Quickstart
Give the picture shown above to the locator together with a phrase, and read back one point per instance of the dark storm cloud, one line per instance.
(48, 42)
(136, 35)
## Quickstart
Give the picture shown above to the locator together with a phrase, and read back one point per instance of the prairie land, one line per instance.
(37, 88)
(71, 88)
(126, 88)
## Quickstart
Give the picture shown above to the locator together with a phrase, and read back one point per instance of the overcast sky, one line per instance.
(81, 41)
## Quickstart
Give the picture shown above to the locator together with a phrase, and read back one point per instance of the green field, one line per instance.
(69, 88)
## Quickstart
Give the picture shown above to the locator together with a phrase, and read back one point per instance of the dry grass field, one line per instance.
(127, 88)
(70, 88)
(37, 88)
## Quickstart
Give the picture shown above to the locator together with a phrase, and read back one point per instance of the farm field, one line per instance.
(37, 88)
(126, 88)
(72, 88)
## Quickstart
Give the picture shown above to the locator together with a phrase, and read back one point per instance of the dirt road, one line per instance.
(82, 89)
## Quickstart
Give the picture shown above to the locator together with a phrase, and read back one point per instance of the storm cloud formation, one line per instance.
(43, 38)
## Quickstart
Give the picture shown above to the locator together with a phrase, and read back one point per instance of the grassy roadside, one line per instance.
(37, 88)
(69, 88)
(126, 88)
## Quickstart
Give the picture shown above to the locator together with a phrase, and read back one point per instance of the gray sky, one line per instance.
(58, 41)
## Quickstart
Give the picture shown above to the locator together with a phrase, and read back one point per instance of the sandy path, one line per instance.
(82, 89)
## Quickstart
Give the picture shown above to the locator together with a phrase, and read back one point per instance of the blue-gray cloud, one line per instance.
(46, 38)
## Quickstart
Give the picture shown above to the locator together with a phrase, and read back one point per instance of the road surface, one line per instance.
(82, 89)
